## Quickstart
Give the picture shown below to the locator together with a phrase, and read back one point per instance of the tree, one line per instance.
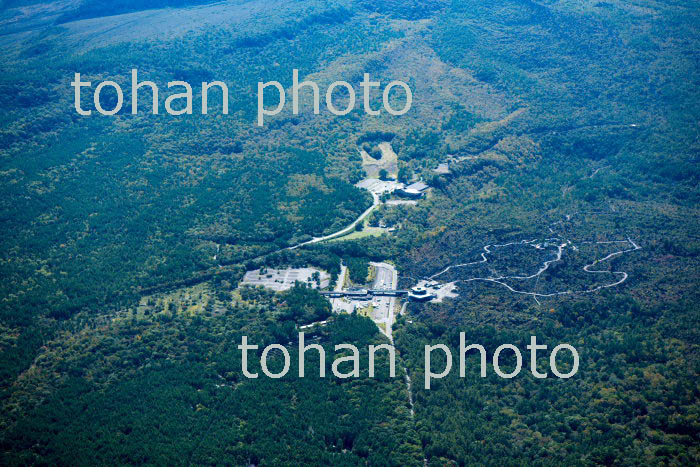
(405, 173)
(383, 174)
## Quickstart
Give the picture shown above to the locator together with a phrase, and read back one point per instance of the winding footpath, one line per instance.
(561, 245)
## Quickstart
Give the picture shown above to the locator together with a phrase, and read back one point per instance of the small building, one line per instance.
(414, 190)
(379, 187)
(420, 294)
(418, 186)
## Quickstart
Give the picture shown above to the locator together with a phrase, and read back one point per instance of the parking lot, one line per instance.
(283, 279)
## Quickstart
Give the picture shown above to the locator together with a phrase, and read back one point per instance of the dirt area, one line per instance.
(388, 161)
(442, 169)
(445, 291)
(440, 291)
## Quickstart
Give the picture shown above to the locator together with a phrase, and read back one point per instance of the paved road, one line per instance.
(336, 303)
(344, 231)
(386, 278)
(206, 274)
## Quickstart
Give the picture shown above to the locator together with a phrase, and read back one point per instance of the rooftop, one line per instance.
(417, 186)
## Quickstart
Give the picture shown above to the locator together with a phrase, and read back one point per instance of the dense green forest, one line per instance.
(186, 372)
(124, 238)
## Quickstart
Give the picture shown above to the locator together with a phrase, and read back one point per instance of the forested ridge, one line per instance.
(125, 238)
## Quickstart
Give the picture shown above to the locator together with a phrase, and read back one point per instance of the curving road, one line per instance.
(344, 231)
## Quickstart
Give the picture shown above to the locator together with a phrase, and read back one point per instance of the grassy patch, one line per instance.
(354, 235)
(366, 311)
